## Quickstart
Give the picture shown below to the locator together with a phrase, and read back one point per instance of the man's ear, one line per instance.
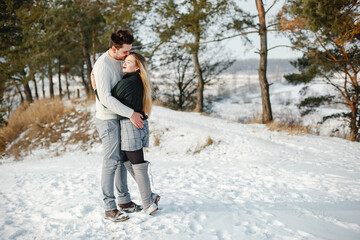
(113, 49)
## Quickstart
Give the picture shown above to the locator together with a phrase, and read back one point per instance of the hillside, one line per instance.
(218, 179)
(252, 66)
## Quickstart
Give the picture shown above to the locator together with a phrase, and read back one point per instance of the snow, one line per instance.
(250, 183)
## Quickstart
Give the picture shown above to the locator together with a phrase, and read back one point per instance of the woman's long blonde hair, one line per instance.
(141, 63)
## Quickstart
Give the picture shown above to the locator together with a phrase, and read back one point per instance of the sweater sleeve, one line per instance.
(103, 86)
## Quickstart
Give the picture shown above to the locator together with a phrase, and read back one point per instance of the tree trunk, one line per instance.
(86, 55)
(87, 81)
(200, 87)
(59, 80)
(43, 86)
(83, 79)
(51, 83)
(36, 88)
(354, 122)
(28, 94)
(357, 132)
(20, 93)
(264, 85)
(67, 85)
(181, 99)
(353, 126)
(93, 46)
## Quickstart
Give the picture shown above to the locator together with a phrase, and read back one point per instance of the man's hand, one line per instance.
(93, 84)
(136, 119)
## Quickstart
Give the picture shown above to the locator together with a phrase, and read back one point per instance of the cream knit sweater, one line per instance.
(107, 72)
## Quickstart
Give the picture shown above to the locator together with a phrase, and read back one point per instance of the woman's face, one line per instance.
(130, 64)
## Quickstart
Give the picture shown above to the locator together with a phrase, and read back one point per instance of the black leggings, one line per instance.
(135, 157)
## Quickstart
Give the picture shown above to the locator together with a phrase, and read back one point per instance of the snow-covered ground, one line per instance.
(250, 183)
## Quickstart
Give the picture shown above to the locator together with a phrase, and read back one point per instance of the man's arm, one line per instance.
(92, 77)
(104, 93)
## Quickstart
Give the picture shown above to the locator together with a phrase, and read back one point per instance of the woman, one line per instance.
(134, 91)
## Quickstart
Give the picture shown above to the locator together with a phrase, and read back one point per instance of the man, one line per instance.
(107, 72)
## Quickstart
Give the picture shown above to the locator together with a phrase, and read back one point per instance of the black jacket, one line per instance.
(129, 91)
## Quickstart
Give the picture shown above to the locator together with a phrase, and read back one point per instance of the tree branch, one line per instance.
(229, 37)
(154, 50)
(279, 46)
(271, 6)
(339, 89)
(76, 43)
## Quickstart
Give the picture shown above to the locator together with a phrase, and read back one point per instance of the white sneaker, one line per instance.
(152, 209)
(155, 198)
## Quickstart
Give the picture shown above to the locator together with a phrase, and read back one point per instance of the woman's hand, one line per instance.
(136, 119)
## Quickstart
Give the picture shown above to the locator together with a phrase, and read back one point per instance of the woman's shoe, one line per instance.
(152, 209)
(155, 198)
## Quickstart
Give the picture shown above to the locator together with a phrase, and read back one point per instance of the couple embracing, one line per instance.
(123, 104)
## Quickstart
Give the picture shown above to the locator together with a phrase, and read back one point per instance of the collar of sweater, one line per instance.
(127, 75)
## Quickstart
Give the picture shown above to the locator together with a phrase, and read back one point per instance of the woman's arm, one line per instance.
(136, 118)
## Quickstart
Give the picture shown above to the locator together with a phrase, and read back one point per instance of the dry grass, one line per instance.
(157, 102)
(291, 128)
(209, 142)
(157, 137)
(36, 115)
(42, 123)
(256, 119)
(157, 140)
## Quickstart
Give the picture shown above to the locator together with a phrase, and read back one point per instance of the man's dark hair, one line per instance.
(120, 37)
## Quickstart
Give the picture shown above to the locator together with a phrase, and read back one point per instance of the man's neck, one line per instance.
(112, 55)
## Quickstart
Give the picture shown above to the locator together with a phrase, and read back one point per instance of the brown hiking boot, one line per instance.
(130, 207)
(116, 216)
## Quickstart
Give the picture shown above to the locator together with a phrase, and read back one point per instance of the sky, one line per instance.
(236, 45)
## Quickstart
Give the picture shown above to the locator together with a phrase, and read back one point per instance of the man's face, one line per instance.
(123, 52)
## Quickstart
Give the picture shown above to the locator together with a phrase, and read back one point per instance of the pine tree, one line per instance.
(78, 23)
(20, 27)
(329, 33)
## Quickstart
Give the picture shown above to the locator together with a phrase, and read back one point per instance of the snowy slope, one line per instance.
(250, 183)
